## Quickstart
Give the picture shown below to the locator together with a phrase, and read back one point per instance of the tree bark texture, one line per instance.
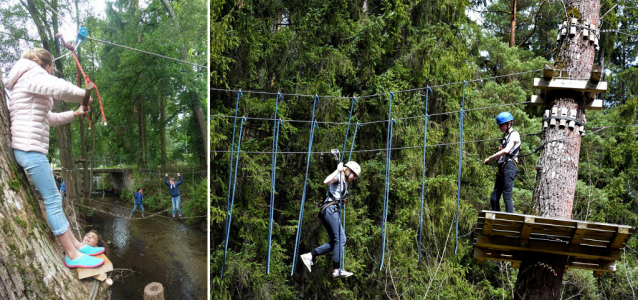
(30, 259)
(541, 275)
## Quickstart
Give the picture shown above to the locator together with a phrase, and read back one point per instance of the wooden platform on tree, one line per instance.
(98, 273)
(589, 245)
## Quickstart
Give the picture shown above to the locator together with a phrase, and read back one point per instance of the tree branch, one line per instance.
(535, 22)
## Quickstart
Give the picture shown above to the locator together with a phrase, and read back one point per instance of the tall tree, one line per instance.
(542, 274)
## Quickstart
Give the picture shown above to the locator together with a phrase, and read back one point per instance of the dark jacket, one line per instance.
(138, 198)
(174, 188)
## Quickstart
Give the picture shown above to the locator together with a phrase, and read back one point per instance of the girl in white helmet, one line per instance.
(337, 183)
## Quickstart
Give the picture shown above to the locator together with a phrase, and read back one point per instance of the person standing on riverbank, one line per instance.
(139, 195)
(174, 191)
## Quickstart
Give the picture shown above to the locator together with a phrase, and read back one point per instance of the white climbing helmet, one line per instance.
(354, 166)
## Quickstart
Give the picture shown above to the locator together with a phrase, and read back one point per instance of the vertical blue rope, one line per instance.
(343, 211)
(348, 128)
(229, 217)
(313, 125)
(353, 139)
(343, 256)
(458, 192)
(386, 191)
(230, 171)
(275, 141)
(425, 138)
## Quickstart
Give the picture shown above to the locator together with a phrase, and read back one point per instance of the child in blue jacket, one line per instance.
(139, 195)
(174, 190)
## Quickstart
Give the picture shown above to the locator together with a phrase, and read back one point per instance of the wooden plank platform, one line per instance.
(582, 85)
(97, 272)
(590, 246)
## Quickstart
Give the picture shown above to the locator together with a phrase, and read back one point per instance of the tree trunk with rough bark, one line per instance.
(540, 275)
(30, 258)
(513, 25)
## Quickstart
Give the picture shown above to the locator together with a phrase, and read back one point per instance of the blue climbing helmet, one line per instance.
(504, 117)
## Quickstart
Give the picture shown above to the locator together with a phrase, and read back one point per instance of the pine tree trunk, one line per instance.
(30, 257)
(540, 275)
(513, 25)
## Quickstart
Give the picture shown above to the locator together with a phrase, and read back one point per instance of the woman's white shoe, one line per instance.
(344, 274)
(307, 260)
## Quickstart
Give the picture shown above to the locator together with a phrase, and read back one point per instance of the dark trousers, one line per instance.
(330, 220)
(503, 185)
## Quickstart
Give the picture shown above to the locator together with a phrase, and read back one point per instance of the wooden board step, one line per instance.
(590, 245)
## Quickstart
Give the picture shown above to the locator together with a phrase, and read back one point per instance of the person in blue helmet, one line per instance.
(507, 156)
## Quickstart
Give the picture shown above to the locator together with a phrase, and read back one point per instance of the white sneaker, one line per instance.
(307, 260)
(344, 274)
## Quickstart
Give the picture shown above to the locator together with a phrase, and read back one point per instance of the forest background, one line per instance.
(154, 106)
(346, 48)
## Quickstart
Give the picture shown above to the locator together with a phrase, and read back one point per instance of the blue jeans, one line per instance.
(504, 185)
(331, 221)
(135, 208)
(37, 166)
(176, 201)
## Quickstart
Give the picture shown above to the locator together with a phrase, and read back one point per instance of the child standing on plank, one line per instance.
(174, 191)
(139, 195)
(507, 163)
(32, 90)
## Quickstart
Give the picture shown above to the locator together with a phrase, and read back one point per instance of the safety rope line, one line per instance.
(343, 210)
(313, 126)
(458, 182)
(386, 188)
(383, 94)
(119, 45)
(379, 121)
(345, 141)
(353, 139)
(425, 138)
(229, 210)
(232, 147)
(89, 85)
(275, 141)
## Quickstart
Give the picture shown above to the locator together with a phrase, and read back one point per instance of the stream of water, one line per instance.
(157, 249)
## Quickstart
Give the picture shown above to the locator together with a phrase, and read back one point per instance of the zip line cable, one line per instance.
(305, 183)
(380, 94)
(275, 141)
(119, 45)
(229, 210)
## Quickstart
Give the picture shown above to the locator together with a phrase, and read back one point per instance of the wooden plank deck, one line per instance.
(590, 245)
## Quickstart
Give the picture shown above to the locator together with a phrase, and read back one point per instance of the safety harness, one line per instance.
(89, 85)
(513, 153)
(333, 200)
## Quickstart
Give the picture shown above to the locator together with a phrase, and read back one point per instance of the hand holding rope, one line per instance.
(88, 84)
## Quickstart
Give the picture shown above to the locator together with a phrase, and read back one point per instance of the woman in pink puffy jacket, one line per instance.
(32, 90)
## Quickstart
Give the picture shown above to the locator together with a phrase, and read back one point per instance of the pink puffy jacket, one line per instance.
(32, 90)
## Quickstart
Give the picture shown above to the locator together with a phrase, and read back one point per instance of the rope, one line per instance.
(275, 141)
(343, 211)
(379, 121)
(313, 126)
(386, 188)
(425, 136)
(232, 147)
(122, 46)
(229, 210)
(353, 139)
(348, 128)
(381, 94)
(458, 193)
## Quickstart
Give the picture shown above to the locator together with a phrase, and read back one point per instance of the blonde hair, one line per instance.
(39, 55)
